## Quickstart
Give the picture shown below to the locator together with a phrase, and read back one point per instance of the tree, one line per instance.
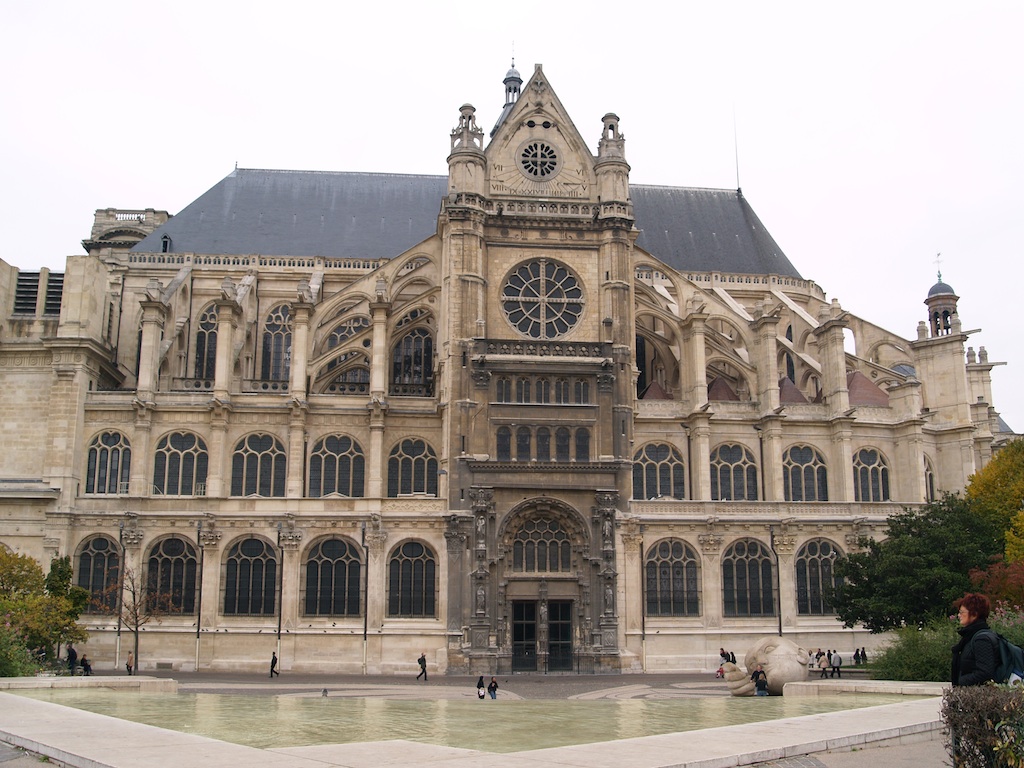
(140, 606)
(997, 492)
(1001, 582)
(20, 575)
(58, 584)
(919, 569)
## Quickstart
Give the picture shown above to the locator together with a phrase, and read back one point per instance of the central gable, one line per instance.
(537, 151)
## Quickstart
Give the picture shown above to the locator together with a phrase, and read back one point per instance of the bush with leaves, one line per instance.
(15, 658)
(985, 725)
(917, 654)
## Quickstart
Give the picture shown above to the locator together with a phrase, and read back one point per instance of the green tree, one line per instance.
(914, 574)
(58, 584)
(997, 492)
(19, 575)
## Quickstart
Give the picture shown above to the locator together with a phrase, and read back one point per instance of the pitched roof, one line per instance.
(380, 215)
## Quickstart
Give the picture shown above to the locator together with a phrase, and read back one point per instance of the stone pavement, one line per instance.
(905, 733)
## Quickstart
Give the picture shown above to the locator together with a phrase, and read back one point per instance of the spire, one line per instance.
(513, 83)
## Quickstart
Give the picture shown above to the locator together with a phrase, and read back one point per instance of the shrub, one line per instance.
(985, 725)
(15, 658)
(1008, 621)
(917, 654)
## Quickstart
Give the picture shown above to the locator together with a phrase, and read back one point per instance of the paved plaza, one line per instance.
(894, 735)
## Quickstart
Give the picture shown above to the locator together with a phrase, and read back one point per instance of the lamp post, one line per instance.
(366, 614)
(199, 597)
(120, 593)
(278, 585)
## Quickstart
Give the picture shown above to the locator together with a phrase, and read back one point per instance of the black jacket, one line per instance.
(975, 658)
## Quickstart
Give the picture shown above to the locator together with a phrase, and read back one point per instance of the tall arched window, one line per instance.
(748, 579)
(541, 546)
(99, 573)
(504, 447)
(277, 344)
(344, 330)
(733, 474)
(412, 364)
(180, 465)
(658, 470)
(543, 444)
(412, 468)
(206, 344)
(332, 579)
(523, 442)
(412, 572)
(542, 392)
(171, 576)
(581, 390)
(870, 476)
(562, 438)
(804, 477)
(336, 466)
(582, 444)
(522, 389)
(504, 389)
(259, 467)
(671, 573)
(250, 579)
(108, 464)
(562, 394)
(815, 577)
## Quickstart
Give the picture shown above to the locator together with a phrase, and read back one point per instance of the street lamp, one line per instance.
(120, 593)
(199, 599)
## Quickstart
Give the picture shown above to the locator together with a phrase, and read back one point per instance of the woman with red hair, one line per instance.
(976, 655)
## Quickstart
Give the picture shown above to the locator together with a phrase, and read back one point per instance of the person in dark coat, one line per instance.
(492, 688)
(976, 656)
(273, 664)
(422, 661)
(480, 688)
(72, 659)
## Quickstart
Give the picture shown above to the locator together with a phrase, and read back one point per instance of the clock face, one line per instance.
(539, 168)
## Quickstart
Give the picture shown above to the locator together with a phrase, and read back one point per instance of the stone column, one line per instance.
(154, 314)
(840, 465)
(228, 316)
(209, 543)
(765, 325)
(694, 380)
(296, 448)
(289, 541)
(302, 312)
(376, 593)
(632, 583)
(771, 458)
(218, 477)
(700, 456)
(138, 484)
(711, 573)
(377, 406)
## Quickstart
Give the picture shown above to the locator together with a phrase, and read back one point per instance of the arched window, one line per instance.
(582, 444)
(658, 470)
(412, 572)
(671, 571)
(99, 567)
(542, 392)
(522, 390)
(562, 391)
(523, 440)
(108, 464)
(562, 438)
(929, 480)
(541, 546)
(250, 579)
(180, 465)
(543, 444)
(412, 364)
(206, 344)
(733, 474)
(353, 381)
(581, 391)
(747, 580)
(171, 576)
(804, 477)
(870, 476)
(259, 467)
(342, 331)
(336, 466)
(412, 468)
(504, 389)
(815, 577)
(277, 344)
(504, 438)
(332, 579)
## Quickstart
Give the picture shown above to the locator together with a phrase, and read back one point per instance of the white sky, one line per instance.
(871, 135)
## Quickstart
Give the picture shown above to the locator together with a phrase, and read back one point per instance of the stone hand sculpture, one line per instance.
(783, 660)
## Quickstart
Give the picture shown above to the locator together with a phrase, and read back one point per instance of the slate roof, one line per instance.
(380, 215)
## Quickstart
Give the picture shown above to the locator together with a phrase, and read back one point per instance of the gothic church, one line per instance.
(527, 416)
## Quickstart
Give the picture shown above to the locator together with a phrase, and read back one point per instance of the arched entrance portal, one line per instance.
(545, 579)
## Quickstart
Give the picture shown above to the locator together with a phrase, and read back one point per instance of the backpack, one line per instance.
(1010, 663)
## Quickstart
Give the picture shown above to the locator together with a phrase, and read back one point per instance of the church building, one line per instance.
(528, 416)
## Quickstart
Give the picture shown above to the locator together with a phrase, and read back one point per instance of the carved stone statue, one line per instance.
(783, 660)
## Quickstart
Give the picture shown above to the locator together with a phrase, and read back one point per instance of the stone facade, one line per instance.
(524, 442)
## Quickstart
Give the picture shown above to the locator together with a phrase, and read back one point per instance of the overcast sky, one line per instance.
(870, 136)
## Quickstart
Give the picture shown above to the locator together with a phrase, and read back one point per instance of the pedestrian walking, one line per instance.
(837, 663)
(72, 659)
(481, 691)
(492, 688)
(129, 663)
(273, 664)
(422, 661)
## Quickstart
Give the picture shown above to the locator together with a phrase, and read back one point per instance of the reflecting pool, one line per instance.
(495, 726)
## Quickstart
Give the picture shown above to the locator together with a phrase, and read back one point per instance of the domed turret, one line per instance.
(941, 303)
